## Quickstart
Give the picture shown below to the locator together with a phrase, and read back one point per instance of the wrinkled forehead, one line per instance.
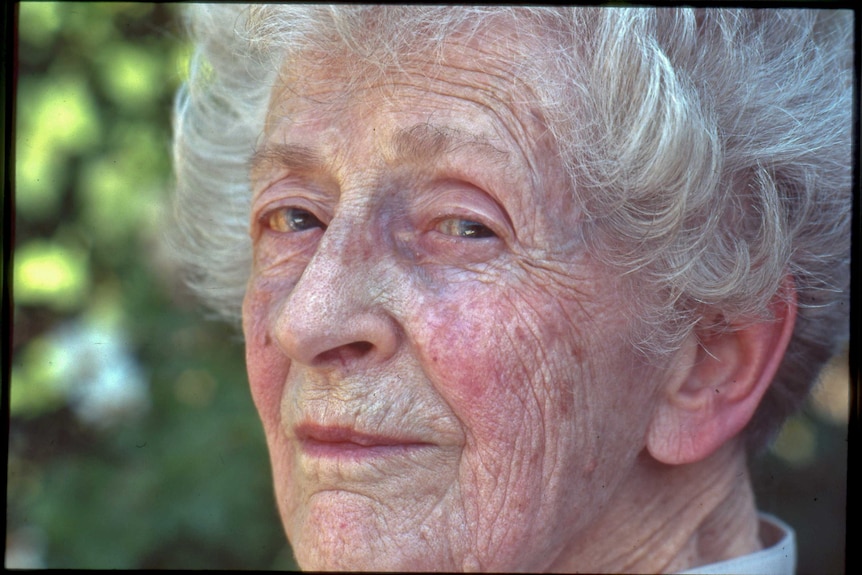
(500, 52)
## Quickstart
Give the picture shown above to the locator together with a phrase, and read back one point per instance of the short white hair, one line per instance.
(710, 150)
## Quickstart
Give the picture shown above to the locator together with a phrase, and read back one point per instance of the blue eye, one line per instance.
(293, 220)
(465, 229)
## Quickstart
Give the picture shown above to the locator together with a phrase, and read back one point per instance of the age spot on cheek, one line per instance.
(519, 333)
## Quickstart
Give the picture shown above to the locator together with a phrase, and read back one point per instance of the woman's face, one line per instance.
(440, 367)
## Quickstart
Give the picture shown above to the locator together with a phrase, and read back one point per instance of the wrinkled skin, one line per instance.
(418, 278)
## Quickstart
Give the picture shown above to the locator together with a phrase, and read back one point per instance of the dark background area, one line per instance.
(133, 441)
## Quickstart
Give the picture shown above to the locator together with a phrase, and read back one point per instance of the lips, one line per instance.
(346, 442)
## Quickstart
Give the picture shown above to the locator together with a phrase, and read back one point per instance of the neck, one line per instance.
(670, 518)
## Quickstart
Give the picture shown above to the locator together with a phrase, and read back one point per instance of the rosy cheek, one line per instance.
(504, 361)
(468, 362)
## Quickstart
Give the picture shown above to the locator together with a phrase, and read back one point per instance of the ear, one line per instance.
(717, 383)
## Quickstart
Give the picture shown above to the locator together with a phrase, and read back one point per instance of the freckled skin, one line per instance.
(506, 355)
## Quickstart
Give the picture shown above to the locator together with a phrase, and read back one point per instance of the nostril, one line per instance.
(345, 353)
(361, 347)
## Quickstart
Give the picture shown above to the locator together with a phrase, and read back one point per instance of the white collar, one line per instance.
(777, 558)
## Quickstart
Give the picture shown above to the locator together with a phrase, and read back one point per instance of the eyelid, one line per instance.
(463, 201)
(265, 210)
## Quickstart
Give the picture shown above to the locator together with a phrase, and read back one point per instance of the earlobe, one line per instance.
(717, 383)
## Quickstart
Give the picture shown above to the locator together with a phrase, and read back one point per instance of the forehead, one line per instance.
(463, 106)
(490, 63)
(467, 109)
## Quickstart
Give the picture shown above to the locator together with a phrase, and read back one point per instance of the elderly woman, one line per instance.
(521, 287)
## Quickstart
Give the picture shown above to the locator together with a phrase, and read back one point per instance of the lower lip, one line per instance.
(349, 451)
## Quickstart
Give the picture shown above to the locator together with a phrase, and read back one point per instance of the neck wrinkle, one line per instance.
(732, 529)
(667, 518)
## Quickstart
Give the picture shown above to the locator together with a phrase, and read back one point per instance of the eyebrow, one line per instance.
(426, 140)
(291, 156)
(414, 144)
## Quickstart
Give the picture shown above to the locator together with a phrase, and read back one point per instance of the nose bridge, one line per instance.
(344, 257)
(335, 310)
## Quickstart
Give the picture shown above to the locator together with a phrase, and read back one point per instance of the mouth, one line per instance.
(337, 442)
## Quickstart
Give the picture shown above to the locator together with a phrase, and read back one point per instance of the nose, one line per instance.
(336, 315)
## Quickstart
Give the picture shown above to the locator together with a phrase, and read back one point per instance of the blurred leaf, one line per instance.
(132, 76)
(797, 442)
(35, 386)
(87, 26)
(39, 177)
(38, 22)
(48, 273)
(68, 116)
(112, 202)
(40, 166)
(64, 116)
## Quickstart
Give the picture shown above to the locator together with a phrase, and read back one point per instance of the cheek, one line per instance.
(464, 354)
(535, 375)
(498, 362)
(510, 367)
(267, 366)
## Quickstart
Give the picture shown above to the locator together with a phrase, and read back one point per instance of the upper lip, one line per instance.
(344, 434)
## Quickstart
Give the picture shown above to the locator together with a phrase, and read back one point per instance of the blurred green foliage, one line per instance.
(133, 439)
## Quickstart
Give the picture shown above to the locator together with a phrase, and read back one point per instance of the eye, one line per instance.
(464, 229)
(292, 220)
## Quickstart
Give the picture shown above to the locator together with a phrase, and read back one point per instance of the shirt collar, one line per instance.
(779, 558)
